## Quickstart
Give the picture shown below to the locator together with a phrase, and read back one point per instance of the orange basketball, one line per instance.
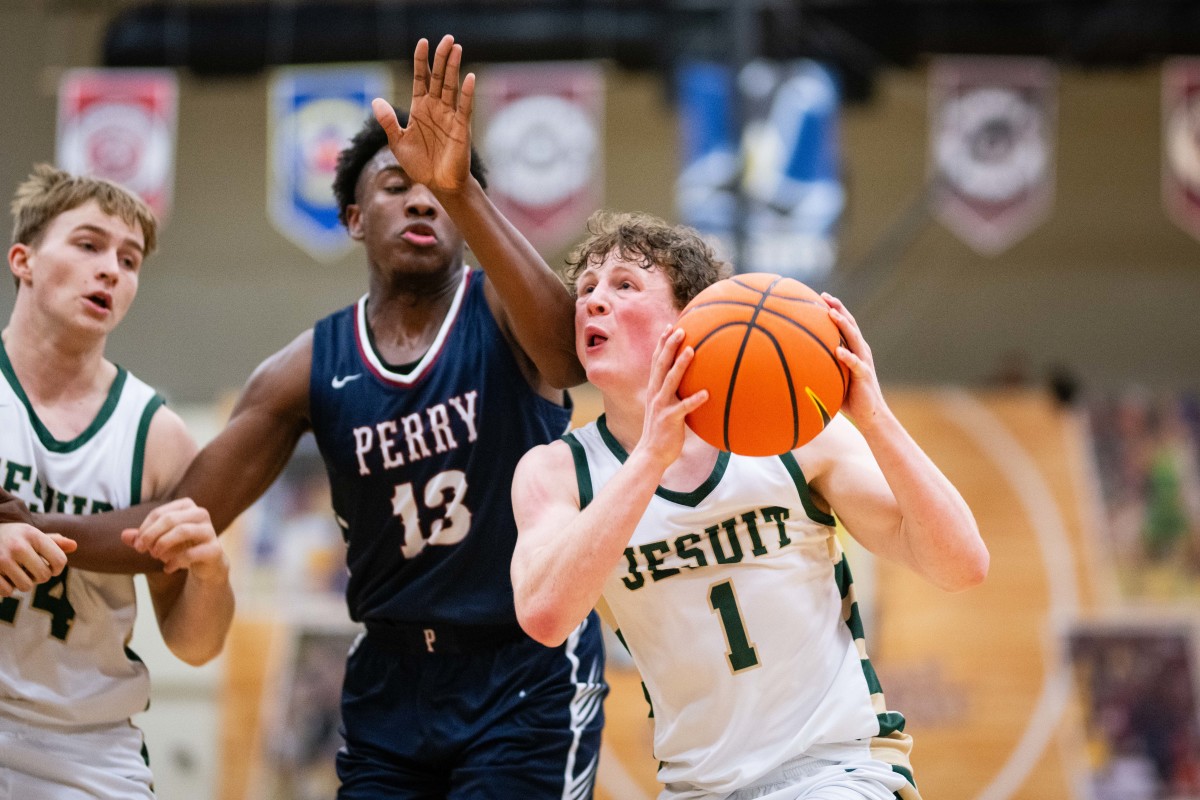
(765, 351)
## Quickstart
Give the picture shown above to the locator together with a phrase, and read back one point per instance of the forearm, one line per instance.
(539, 307)
(199, 620)
(99, 539)
(558, 582)
(98, 536)
(937, 529)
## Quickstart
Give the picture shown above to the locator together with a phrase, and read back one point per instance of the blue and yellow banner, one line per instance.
(313, 113)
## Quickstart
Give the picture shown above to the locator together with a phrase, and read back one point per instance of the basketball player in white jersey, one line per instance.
(722, 573)
(79, 434)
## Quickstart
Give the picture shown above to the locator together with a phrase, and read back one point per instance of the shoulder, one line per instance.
(839, 443)
(549, 456)
(545, 468)
(282, 379)
(295, 353)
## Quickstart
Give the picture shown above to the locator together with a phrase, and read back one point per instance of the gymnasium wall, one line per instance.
(1106, 286)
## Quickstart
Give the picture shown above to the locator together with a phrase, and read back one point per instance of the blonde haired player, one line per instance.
(81, 435)
(722, 572)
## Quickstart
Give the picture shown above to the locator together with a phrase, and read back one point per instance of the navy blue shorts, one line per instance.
(502, 720)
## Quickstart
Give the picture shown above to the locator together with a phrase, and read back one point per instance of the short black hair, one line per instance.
(369, 140)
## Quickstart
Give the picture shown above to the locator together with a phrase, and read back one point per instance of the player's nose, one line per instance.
(421, 202)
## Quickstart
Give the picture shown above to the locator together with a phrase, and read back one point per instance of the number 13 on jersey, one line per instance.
(444, 492)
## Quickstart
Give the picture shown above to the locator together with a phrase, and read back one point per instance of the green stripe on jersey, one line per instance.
(139, 448)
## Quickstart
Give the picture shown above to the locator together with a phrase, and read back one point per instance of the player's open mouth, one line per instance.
(100, 300)
(596, 339)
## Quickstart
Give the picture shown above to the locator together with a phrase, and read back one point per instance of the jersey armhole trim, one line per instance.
(583, 477)
(810, 508)
(139, 448)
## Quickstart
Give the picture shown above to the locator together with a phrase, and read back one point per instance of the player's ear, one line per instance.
(18, 262)
(354, 222)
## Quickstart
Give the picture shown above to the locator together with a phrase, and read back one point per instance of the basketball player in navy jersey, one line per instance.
(422, 397)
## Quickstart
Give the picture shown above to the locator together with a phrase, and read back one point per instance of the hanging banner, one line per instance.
(120, 125)
(992, 124)
(783, 159)
(542, 143)
(1181, 142)
(313, 112)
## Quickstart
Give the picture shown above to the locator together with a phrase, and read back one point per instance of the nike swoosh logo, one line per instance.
(338, 383)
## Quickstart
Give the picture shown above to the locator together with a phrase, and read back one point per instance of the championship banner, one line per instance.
(120, 125)
(1181, 142)
(542, 142)
(784, 159)
(313, 113)
(992, 134)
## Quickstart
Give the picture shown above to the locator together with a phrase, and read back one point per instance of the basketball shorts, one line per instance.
(47, 764)
(807, 778)
(435, 716)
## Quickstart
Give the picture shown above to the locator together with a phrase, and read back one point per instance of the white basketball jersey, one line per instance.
(64, 659)
(735, 603)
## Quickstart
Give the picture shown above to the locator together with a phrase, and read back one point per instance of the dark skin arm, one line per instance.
(226, 477)
(528, 299)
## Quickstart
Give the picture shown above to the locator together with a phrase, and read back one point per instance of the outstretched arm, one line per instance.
(887, 491)
(527, 297)
(225, 478)
(268, 419)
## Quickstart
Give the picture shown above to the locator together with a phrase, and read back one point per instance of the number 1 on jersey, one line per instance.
(742, 654)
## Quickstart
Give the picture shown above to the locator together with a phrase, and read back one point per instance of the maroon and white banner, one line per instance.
(1181, 142)
(992, 130)
(120, 124)
(543, 144)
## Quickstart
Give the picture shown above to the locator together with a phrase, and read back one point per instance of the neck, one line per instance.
(50, 363)
(625, 416)
(405, 317)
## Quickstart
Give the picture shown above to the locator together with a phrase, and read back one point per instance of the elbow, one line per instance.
(541, 623)
(197, 654)
(972, 571)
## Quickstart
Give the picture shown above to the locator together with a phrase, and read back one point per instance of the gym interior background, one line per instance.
(1004, 365)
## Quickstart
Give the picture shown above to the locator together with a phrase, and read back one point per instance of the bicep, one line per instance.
(545, 495)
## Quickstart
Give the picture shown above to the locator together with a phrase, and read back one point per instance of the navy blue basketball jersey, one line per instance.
(420, 463)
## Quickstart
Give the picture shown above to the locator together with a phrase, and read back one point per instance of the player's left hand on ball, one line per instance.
(180, 534)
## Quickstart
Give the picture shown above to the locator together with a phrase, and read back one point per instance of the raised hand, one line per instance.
(435, 148)
(181, 535)
(663, 427)
(29, 557)
(863, 396)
